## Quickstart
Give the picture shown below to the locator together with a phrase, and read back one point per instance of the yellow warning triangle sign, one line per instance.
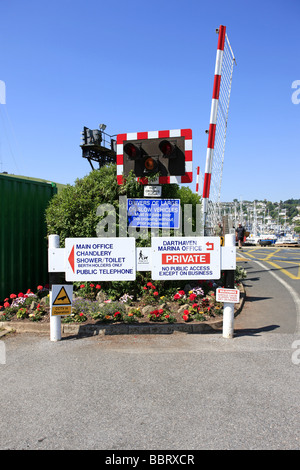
(62, 298)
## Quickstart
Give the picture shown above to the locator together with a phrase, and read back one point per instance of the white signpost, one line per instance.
(185, 258)
(100, 259)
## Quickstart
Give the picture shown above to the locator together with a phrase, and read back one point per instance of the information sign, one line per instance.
(154, 213)
(185, 258)
(143, 259)
(62, 296)
(152, 191)
(228, 295)
(100, 259)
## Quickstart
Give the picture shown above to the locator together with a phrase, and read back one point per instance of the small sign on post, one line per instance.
(228, 295)
(62, 296)
(152, 191)
(143, 259)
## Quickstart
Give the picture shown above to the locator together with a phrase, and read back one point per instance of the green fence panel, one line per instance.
(23, 234)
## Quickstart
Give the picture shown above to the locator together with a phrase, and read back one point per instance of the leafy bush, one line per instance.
(73, 211)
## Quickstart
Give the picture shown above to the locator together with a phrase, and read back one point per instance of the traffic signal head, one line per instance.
(167, 154)
(132, 151)
(168, 149)
(91, 136)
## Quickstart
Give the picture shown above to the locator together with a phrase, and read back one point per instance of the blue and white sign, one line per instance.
(153, 213)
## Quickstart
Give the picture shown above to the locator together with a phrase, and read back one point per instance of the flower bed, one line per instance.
(148, 302)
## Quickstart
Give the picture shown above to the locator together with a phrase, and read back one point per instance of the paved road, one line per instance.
(160, 392)
(174, 391)
(273, 289)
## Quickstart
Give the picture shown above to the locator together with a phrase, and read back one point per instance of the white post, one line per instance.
(55, 321)
(228, 311)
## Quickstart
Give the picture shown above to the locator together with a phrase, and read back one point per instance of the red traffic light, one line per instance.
(166, 148)
(132, 151)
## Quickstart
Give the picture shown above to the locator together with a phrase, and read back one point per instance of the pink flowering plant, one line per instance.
(184, 297)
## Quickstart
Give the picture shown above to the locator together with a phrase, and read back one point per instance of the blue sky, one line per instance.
(142, 66)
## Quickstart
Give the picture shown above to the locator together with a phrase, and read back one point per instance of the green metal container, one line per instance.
(23, 234)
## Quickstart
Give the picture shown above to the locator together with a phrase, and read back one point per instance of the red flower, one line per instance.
(116, 314)
(38, 306)
(6, 305)
(82, 286)
(92, 285)
(177, 296)
(6, 300)
(185, 317)
(181, 292)
(39, 287)
(81, 314)
(149, 284)
(194, 305)
(167, 316)
(145, 288)
(20, 294)
(1, 306)
(98, 286)
(193, 296)
(161, 310)
(12, 296)
(155, 293)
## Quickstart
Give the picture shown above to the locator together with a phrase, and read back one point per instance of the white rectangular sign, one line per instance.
(228, 295)
(152, 191)
(186, 258)
(143, 259)
(100, 259)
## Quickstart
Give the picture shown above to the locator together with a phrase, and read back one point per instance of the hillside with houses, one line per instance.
(283, 216)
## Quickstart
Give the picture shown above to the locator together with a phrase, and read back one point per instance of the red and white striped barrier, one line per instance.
(197, 180)
(213, 118)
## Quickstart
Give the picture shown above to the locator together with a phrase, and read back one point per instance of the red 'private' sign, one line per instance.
(185, 258)
(191, 258)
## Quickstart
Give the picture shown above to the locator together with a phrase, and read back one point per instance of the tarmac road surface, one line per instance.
(177, 391)
(272, 289)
